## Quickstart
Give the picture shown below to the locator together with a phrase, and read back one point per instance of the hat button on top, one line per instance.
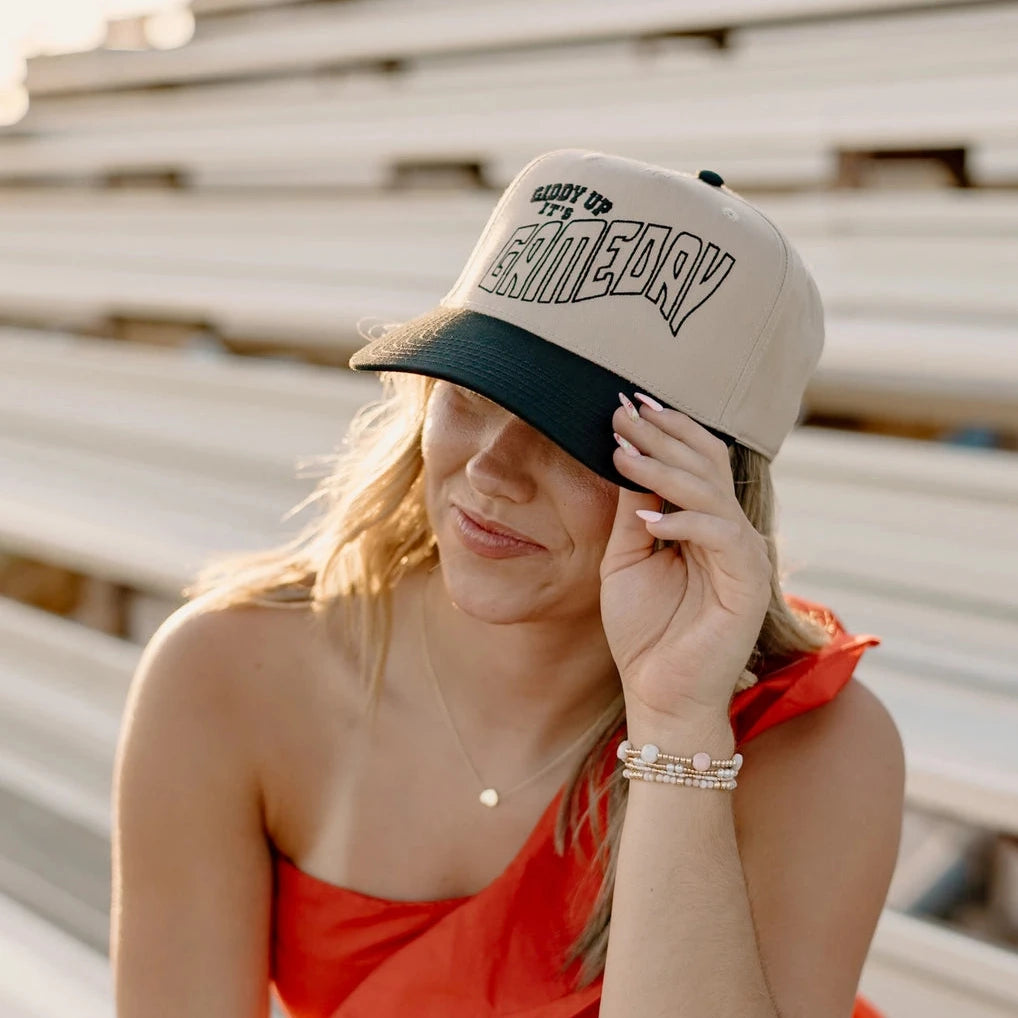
(710, 177)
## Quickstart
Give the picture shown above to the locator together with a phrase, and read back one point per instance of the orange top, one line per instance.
(337, 953)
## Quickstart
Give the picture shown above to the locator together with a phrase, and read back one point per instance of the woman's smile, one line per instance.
(490, 543)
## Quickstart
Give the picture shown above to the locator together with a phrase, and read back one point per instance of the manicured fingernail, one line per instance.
(628, 447)
(629, 405)
(649, 515)
(648, 400)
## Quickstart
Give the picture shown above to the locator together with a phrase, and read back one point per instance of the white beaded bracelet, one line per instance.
(697, 771)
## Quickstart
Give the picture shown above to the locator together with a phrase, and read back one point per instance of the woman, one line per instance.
(489, 761)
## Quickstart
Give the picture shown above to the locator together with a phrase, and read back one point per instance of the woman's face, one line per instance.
(487, 470)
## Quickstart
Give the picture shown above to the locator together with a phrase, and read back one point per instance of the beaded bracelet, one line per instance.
(697, 771)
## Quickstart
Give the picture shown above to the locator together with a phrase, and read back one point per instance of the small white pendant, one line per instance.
(489, 797)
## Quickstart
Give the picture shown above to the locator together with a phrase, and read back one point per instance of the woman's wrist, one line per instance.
(695, 731)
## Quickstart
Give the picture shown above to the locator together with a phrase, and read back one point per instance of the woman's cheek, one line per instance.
(444, 436)
(592, 502)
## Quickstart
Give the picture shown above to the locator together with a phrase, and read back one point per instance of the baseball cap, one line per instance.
(598, 273)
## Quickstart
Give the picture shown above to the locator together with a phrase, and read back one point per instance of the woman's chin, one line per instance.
(489, 592)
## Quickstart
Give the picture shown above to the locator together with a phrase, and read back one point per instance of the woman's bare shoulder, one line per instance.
(190, 814)
(234, 643)
(256, 665)
(853, 726)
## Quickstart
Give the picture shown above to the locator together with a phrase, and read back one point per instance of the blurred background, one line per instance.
(199, 203)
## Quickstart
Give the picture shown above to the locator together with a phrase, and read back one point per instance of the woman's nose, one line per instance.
(501, 466)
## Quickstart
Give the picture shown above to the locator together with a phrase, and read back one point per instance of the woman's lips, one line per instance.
(490, 543)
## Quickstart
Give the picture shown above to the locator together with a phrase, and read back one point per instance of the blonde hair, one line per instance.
(373, 528)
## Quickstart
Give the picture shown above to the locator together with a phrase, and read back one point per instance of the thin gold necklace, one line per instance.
(489, 796)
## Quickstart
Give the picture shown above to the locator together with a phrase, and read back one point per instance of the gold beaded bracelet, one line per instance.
(697, 771)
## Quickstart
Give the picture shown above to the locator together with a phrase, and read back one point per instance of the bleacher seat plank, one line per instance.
(827, 523)
(282, 311)
(271, 40)
(919, 967)
(57, 508)
(62, 688)
(192, 132)
(961, 752)
(869, 275)
(982, 475)
(955, 373)
(64, 451)
(458, 215)
(995, 164)
(46, 973)
(840, 485)
(55, 866)
(172, 221)
(245, 417)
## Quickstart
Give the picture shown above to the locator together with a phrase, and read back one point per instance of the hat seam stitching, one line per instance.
(766, 334)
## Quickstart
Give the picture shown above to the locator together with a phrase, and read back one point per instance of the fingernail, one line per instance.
(629, 405)
(648, 400)
(649, 515)
(628, 447)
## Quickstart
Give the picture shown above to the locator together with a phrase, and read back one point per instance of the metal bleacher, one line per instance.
(299, 167)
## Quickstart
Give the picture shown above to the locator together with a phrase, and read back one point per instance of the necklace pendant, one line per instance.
(489, 797)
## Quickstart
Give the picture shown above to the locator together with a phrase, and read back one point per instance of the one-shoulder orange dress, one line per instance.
(337, 953)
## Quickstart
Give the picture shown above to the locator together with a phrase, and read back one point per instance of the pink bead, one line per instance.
(701, 761)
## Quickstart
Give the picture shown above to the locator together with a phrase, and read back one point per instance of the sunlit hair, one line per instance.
(372, 528)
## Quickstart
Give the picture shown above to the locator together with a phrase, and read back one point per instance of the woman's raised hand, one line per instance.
(681, 624)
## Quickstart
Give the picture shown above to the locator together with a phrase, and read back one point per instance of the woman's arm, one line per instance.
(760, 902)
(766, 912)
(191, 869)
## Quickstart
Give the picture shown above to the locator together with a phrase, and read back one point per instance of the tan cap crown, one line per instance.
(669, 280)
